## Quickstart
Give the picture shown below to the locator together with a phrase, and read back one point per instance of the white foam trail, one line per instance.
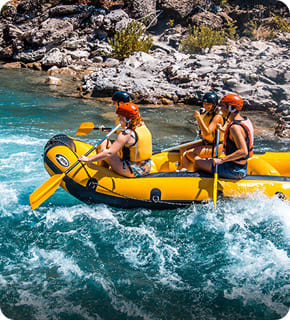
(255, 261)
(163, 254)
(8, 198)
(66, 266)
(121, 303)
(101, 212)
(23, 162)
(20, 140)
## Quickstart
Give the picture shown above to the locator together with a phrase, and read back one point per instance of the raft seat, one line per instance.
(165, 162)
(257, 166)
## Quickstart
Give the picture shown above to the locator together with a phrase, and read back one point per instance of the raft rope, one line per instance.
(182, 204)
(148, 201)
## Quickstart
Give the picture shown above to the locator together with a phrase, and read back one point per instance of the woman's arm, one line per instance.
(115, 147)
(212, 126)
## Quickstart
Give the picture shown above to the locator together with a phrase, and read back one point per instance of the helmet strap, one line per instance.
(232, 109)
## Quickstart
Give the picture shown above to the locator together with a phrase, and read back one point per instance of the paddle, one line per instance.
(216, 170)
(49, 187)
(87, 127)
(178, 147)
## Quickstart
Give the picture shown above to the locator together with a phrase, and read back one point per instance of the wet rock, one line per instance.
(11, 65)
(53, 81)
(34, 66)
(61, 71)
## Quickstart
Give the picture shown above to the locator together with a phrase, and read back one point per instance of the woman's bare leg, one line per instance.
(183, 159)
(203, 164)
(119, 167)
(104, 145)
(202, 151)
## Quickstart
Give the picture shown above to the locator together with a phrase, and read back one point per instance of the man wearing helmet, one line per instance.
(239, 138)
(130, 154)
(208, 125)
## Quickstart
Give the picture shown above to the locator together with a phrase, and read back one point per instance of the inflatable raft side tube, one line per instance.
(90, 196)
(261, 167)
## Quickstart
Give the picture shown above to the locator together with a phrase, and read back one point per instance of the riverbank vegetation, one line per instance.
(200, 38)
(267, 30)
(129, 39)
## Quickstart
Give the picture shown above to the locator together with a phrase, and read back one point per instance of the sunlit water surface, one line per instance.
(68, 260)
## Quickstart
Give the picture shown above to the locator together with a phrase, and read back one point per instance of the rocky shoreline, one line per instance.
(71, 40)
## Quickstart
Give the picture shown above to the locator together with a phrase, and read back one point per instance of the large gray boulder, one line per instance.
(56, 57)
(207, 18)
(144, 9)
(182, 8)
(51, 32)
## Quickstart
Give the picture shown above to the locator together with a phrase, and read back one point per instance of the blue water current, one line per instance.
(72, 261)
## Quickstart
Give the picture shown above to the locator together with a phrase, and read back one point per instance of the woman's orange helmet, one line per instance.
(128, 110)
(232, 100)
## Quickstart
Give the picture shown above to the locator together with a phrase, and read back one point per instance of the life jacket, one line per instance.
(211, 138)
(230, 146)
(142, 148)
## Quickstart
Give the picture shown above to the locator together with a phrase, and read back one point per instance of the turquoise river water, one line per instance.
(71, 261)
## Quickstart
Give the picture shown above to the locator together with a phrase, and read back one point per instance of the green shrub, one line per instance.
(258, 31)
(221, 3)
(129, 39)
(281, 24)
(203, 37)
(170, 23)
(263, 31)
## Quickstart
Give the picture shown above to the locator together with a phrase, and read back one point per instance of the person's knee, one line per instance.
(198, 163)
(203, 164)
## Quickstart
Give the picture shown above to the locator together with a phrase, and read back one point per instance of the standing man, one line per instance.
(238, 141)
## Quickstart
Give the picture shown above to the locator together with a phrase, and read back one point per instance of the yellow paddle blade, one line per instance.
(45, 190)
(215, 189)
(85, 128)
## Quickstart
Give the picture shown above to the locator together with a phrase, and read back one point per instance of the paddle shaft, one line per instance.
(103, 129)
(217, 144)
(179, 146)
(216, 170)
(94, 147)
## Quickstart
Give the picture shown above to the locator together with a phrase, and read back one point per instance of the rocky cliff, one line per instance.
(71, 37)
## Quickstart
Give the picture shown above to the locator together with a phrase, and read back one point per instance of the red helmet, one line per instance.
(128, 110)
(232, 100)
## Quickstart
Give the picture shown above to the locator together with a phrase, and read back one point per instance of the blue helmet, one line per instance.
(121, 96)
(210, 97)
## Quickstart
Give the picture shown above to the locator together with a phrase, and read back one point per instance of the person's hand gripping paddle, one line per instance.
(49, 187)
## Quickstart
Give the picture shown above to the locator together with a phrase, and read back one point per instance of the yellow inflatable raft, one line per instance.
(268, 173)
